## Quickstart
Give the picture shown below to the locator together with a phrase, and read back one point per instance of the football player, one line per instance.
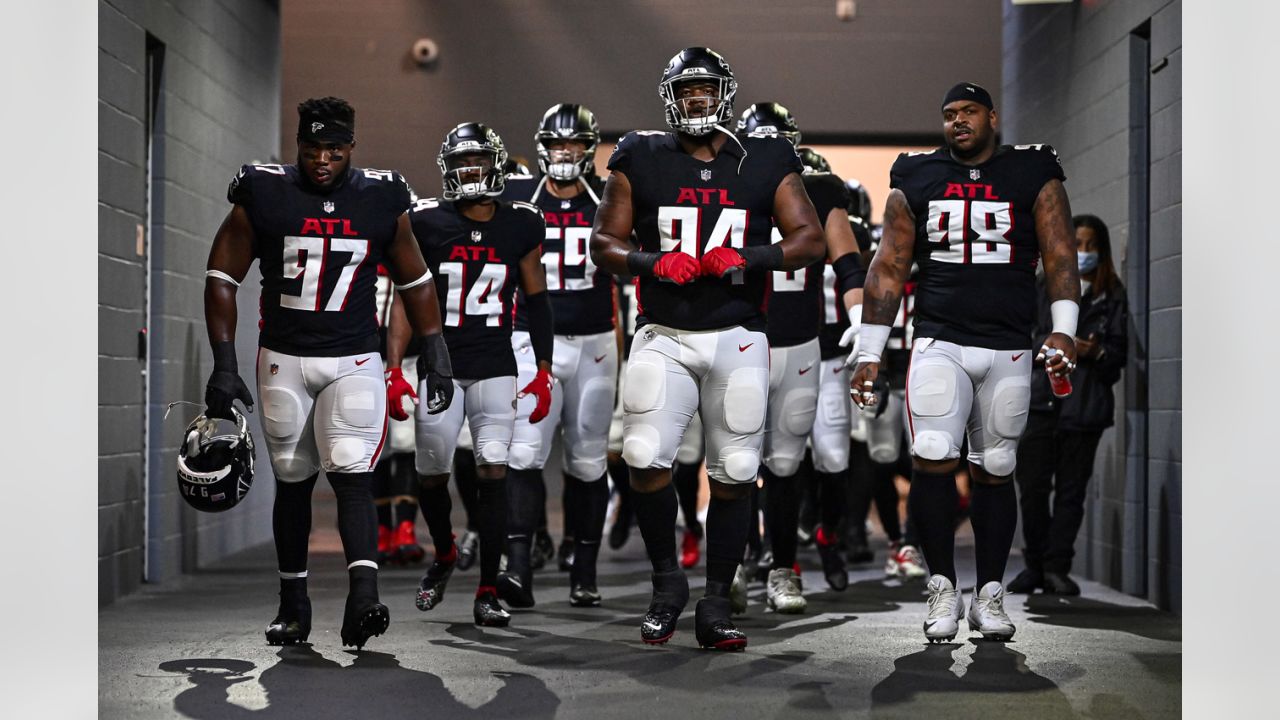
(318, 229)
(701, 203)
(585, 357)
(481, 249)
(977, 218)
(807, 394)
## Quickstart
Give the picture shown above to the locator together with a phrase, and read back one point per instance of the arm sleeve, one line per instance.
(850, 275)
(541, 326)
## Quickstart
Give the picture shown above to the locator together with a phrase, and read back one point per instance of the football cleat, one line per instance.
(905, 562)
(384, 545)
(431, 588)
(583, 595)
(565, 554)
(670, 594)
(782, 592)
(738, 591)
(858, 552)
(543, 550)
(1060, 584)
(690, 552)
(516, 591)
(619, 533)
(488, 611)
(362, 620)
(1027, 582)
(405, 544)
(292, 624)
(946, 607)
(714, 629)
(987, 615)
(468, 550)
(833, 567)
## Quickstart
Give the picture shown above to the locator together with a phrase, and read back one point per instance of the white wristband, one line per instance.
(1066, 315)
(872, 340)
(426, 277)
(221, 276)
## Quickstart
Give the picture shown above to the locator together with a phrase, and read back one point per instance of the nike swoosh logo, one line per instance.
(743, 348)
(805, 370)
(1015, 357)
(602, 357)
(653, 626)
(361, 362)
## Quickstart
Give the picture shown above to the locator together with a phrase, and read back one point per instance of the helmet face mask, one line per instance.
(215, 463)
(695, 114)
(471, 159)
(564, 125)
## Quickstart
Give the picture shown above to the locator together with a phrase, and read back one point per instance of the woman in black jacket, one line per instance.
(1056, 453)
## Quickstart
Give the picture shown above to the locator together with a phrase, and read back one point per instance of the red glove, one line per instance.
(540, 387)
(678, 267)
(721, 261)
(397, 388)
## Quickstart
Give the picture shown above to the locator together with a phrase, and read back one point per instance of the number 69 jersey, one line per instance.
(976, 242)
(318, 253)
(687, 205)
(476, 266)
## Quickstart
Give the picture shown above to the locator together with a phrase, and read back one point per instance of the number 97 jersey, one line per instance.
(976, 242)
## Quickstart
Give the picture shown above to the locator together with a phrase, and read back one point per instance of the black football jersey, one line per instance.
(795, 298)
(976, 242)
(581, 294)
(477, 270)
(835, 319)
(318, 251)
(687, 205)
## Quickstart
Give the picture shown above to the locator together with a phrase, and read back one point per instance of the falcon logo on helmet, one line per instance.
(215, 463)
(698, 64)
(471, 161)
(567, 122)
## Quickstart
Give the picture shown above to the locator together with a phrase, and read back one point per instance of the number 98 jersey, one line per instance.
(476, 266)
(976, 242)
(318, 252)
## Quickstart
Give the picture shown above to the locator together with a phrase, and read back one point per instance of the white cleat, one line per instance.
(783, 592)
(906, 563)
(987, 615)
(946, 607)
(738, 591)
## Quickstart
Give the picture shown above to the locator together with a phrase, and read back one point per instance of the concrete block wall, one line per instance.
(1066, 81)
(218, 107)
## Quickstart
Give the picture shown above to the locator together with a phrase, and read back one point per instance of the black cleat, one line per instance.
(489, 612)
(565, 554)
(1027, 582)
(363, 619)
(670, 594)
(516, 591)
(1056, 583)
(292, 624)
(584, 596)
(619, 533)
(543, 550)
(858, 552)
(714, 629)
(468, 550)
(431, 588)
(833, 565)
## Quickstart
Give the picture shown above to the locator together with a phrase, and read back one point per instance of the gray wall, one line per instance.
(218, 107)
(504, 62)
(1067, 82)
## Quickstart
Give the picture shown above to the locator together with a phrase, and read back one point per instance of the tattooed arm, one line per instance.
(1061, 272)
(882, 294)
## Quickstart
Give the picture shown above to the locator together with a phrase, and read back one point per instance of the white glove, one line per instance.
(850, 337)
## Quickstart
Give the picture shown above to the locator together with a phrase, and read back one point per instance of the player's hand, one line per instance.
(397, 389)
(225, 387)
(862, 388)
(1058, 353)
(539, 387)
(721, 261)
(435, 369)
(678, 267)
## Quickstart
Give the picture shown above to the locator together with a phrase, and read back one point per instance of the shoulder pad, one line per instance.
(527, 206)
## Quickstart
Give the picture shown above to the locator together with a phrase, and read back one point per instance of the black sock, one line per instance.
(933, 510)
(491, 519)
(782, 512)
(685, 478)
(656, 515)
(382, 493)
(291, 524)
(358, 527)
(592, 499)
(833, 503)
(885, 493)
(728, 522)
(464, 472)
(403, 487)
(569, 506)
(437, 506)
(993, 511)
(525, 492)
(619, 475)
(754, 541)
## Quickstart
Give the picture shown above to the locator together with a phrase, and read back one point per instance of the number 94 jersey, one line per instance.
(976, 242)
(318, 252)
(476, 266)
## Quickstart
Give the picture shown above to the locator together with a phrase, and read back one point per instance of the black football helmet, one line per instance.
(481, 180)
(769, 118)
(567, 121)
(700, 64)
(859, 200)
(215, 463)
(813, 162)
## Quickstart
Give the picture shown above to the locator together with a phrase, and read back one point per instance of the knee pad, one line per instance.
(640, 445)
(783, 465)
(934, 445)
(645, 388)
(933, 390)
(293, 468)
(999, 461)
(522, 455)
(281, 412)
(1009, 405)
(433, 456)
(740, 464)
(346, 455)
(830, 453)
(492, 453)
(745, 400)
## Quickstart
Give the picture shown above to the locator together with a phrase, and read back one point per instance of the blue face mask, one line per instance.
(1088, 261)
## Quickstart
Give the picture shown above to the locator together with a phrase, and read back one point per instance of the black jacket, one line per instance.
(1091, 404)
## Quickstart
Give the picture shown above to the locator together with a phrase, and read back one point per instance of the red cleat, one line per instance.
(406, 546)
(384, 544)
(689, 550)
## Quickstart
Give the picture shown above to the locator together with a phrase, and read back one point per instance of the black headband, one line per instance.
(324, 129)
(968, 91)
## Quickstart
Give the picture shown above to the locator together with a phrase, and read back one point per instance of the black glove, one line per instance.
(880, 386)
(225, 385)
(435, 369)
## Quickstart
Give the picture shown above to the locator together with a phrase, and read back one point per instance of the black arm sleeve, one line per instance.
(434, 357)
(762, 257)
(640, 264)
(541, 326)
(850, 274)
